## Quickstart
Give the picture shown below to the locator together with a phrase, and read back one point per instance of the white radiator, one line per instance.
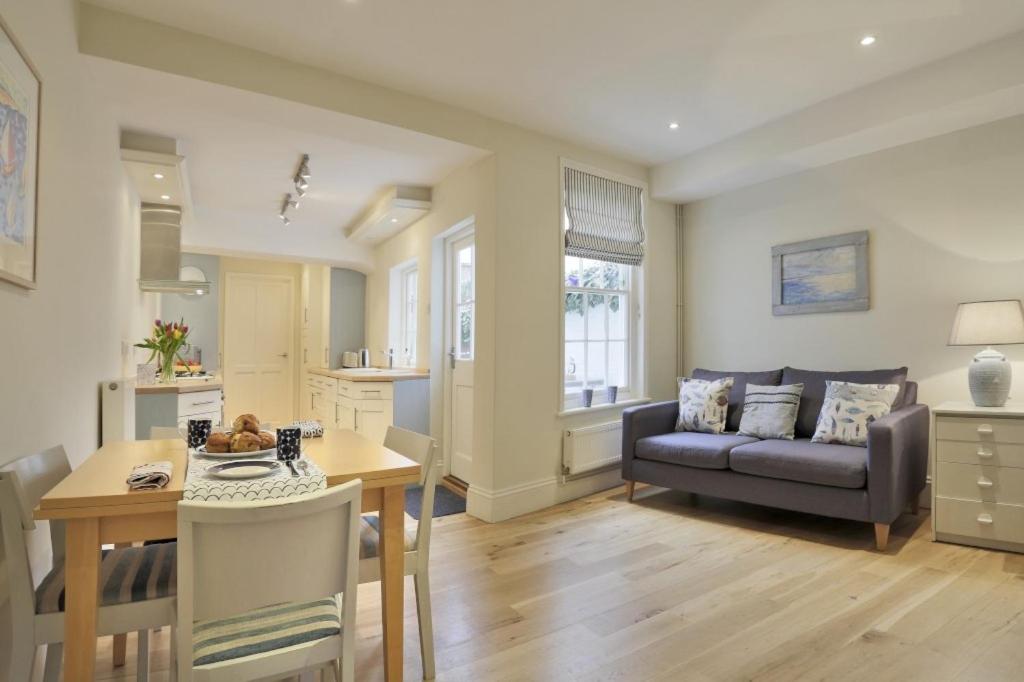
(591, 447)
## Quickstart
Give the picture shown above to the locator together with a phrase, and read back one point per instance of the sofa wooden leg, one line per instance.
(915, 506)
(881, 536)
(630, 487)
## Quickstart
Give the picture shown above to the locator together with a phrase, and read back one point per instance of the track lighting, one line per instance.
(301, 182)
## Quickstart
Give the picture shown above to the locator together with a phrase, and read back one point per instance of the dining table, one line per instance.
(98, 509)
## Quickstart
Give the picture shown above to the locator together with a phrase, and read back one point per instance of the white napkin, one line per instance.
(150, 476)
(310, 429)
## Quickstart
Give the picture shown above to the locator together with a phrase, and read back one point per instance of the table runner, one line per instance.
(201, 486)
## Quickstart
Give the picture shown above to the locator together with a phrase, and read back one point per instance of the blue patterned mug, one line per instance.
(289, 444)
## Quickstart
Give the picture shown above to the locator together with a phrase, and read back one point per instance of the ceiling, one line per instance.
(242, 150)
(611, 75)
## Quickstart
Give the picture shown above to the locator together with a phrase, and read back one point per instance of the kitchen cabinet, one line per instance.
(171, 408)
(369, 407)
(333, 314)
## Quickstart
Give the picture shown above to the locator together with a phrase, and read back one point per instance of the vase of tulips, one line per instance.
(165, 344)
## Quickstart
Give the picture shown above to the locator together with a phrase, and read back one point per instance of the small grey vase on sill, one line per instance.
(613, 394)
(588, 397)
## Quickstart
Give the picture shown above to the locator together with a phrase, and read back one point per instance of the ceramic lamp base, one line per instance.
(989, 377)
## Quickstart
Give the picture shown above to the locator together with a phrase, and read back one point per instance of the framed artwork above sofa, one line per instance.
(825, 275)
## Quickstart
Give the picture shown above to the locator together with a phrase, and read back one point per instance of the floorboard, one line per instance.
(681, 587)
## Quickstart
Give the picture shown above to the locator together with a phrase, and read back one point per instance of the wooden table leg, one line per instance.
(392, 571)
(81, 598)
(120, 641)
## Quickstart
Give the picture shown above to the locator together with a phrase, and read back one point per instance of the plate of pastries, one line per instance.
(245, 439)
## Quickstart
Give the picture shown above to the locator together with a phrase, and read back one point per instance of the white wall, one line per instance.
(61, 340)
(946, 218)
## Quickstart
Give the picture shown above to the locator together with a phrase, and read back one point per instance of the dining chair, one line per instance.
(164, 433)
(259, 585)
(137, 583)
(420, 448)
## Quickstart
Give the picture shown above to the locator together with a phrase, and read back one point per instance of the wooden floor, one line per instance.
(675, 587)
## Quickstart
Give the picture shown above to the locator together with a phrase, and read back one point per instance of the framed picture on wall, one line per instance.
(826, 275)
(20, 92)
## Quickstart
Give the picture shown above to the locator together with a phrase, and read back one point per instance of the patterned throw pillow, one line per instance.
(703, 405)
(770, 411)
(849, 409)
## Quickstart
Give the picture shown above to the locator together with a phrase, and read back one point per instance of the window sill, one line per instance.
(603, 407)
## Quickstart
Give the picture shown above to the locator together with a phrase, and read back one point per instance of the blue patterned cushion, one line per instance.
(264, 629)
(369, 535)
(129, 574)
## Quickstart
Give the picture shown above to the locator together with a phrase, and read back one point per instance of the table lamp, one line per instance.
(989, 323)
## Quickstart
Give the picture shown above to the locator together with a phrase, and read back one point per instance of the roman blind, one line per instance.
(605, 218)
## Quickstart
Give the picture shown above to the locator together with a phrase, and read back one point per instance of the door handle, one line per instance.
(451, 356)
(985, 429)
(985, 518)
(984, 453)
(282, 355)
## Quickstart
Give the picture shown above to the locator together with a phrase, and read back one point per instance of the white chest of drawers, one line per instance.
(978, 475)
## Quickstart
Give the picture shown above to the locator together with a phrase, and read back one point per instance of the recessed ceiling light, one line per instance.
(867, 40)
(673, 125)
(394, 220)
(165, 197)
(158, 176)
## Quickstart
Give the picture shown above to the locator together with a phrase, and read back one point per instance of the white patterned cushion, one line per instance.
(127, 574)
(369, 535)
(849, 409)
(770, 411)
(264, 629)
(703, 405)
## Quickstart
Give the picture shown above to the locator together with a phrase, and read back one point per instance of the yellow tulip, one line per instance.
(177, 334)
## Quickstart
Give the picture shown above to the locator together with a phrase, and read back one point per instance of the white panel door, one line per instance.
(461, 336)
(258, 339)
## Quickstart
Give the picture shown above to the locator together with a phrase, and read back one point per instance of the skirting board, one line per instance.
(500, 505)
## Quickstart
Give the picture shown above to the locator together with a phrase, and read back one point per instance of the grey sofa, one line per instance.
(874, 484)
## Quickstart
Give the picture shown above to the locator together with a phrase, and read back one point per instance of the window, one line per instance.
(465, 300)
(403, 300)
(603, 253)
(598, 328)
(408, 333)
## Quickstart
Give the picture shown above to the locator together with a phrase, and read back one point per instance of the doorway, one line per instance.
(460, 339)
(258, 346)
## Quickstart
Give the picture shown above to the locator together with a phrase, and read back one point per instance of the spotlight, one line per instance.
(300, 191)
(285, 220)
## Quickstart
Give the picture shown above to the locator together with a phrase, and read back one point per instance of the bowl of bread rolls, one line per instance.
(244, 439)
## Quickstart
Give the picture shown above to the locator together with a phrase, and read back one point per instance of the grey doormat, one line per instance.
(446, 502)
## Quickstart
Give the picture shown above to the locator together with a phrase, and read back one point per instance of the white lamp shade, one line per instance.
(988, 323)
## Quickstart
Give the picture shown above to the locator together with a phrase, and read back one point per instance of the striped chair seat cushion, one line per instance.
(265, 629)
(369, 535)
(129, 574)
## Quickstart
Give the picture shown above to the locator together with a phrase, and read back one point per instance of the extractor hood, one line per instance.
(160, 268)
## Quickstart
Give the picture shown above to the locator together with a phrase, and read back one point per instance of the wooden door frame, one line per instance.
(292, 355)
(458, 232)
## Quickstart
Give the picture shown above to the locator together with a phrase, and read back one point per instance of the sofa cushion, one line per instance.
(703, 450)
(840, 466)
(814, 390)
(703, 405)
(739, 389)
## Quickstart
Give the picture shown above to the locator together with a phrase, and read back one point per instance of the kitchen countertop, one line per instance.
(181, 386)
(383, 375)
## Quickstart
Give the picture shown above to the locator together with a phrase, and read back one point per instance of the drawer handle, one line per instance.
(371, 393)
(985, 518)
(204, 402)
(984, 453)
(985, 483)
(985, 429)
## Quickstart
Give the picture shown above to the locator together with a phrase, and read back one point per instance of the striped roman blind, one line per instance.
(605, 218)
